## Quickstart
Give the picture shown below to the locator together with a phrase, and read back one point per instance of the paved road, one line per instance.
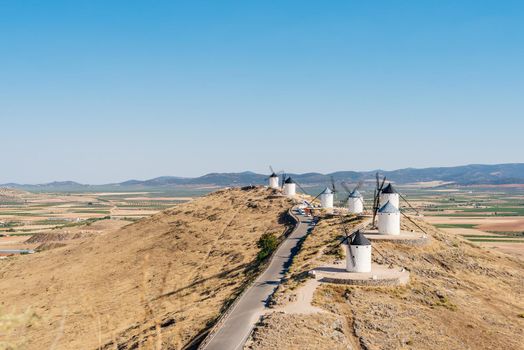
(238, 325)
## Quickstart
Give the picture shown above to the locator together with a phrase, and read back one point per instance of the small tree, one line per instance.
(267, 244)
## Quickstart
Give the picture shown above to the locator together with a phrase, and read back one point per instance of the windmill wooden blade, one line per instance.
(348, 236)
(413, 222)
(382, 184)
(318, 195)
(271, 168)
(345, 186)
(375, 205)
(333, 185)
(301, 188)
(409, 204)
(360, 183)
(343, 240)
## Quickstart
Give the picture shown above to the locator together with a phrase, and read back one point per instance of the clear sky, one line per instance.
(103, 91)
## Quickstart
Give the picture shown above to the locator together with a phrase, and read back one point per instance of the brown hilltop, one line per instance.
(162, 279)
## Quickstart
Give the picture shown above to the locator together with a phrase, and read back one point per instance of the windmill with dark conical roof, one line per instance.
(290, 187)
(389, 194)
(273, 179)
(354, 200)
(358, 253)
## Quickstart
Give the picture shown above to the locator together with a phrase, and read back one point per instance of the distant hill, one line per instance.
(475, 174)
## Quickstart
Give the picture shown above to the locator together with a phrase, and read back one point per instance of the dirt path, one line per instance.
(303, 302)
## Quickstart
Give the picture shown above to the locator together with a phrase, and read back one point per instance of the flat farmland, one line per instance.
(492, 216)
(32, 220)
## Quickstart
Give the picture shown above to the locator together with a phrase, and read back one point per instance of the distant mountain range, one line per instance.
(475, 174)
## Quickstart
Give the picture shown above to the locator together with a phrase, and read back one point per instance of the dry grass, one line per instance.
(156, 283)
(316, 332)
(13, 327)
(321, 246)
(460, 297)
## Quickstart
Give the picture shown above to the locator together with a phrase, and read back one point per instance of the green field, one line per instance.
(455, 225)
(496, 240)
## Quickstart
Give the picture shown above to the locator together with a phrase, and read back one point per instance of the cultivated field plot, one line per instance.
(28, 220)
(489, 216)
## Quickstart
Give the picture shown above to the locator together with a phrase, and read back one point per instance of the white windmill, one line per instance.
(273, 179)
(326, 199)
(389, 219)
(358, 252)
(355, 200)
(327, 196)
(290, 187)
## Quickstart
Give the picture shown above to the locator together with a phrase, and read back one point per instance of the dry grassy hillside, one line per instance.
(460, 296)
(161, 280)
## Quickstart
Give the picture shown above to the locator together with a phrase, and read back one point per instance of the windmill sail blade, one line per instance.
(333, 184)
(375, 205)
(346, 187)
(408, 203)
(360, 183)
(376, 200)
(413, 222)
(383, 182)
(318, 195)
(301, 188)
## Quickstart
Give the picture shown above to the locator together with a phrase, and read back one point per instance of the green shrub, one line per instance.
(267, 244)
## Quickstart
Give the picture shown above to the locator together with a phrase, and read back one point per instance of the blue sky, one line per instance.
(103, 91)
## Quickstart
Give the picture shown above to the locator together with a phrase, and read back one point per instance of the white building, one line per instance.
(273, 181)
(389, 219)
(389, 194)
(358, 254)
(326, 199)
(290, 188)
(355, 202)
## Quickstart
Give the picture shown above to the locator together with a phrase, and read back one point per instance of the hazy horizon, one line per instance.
(99, 92)
(242, 171)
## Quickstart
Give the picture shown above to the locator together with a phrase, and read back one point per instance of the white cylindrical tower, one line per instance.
(355, 202)
(358, 254)
(273, 181)
(389, 220)
(326, 199)
(389, 194)
(290, 188)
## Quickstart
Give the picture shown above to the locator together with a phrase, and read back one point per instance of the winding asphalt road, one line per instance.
(237, 326)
